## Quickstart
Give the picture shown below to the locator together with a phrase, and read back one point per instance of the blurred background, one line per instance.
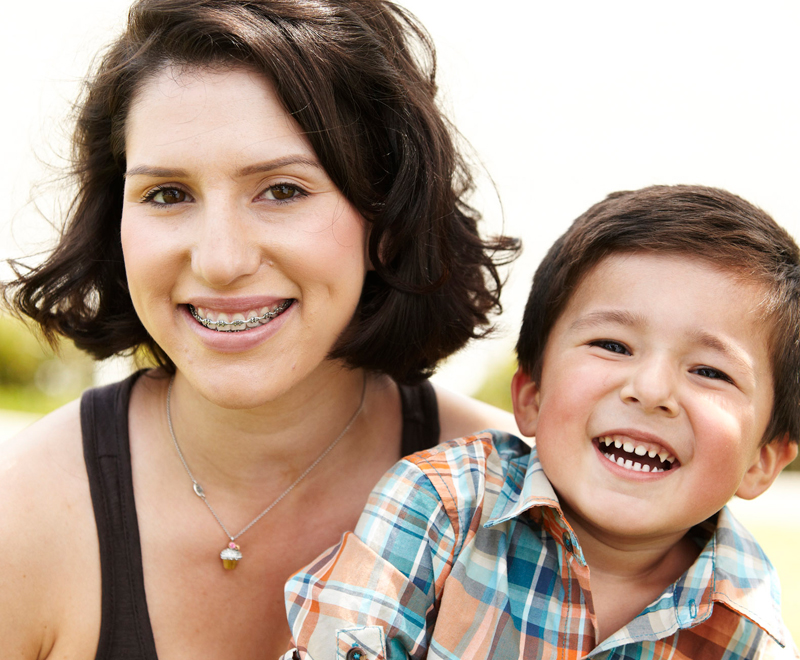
(562, 103)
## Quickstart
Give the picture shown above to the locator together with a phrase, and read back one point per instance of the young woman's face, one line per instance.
(229, 216)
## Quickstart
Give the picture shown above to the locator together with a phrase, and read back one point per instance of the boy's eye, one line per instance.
(710, 372)
(611, 346)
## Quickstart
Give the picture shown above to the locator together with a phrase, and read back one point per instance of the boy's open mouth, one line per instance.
(238, 322)
(635, 455)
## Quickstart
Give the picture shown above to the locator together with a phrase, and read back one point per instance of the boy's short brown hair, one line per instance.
(706, 223)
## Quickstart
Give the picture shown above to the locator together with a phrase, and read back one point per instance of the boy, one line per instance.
(659, 360)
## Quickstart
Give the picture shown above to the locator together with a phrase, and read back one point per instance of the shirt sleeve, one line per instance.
(376, 592)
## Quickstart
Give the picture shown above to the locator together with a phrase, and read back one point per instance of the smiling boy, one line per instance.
(658, 356)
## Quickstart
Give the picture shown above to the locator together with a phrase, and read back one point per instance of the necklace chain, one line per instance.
(198, 489)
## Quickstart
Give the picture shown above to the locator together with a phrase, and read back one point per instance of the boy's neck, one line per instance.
(627, 574)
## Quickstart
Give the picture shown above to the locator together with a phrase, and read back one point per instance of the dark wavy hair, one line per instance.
(704, 223)
(359, 78)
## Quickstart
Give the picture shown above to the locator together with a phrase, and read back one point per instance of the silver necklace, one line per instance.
(232, 553)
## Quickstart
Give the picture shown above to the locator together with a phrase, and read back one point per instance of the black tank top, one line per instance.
(125, 632)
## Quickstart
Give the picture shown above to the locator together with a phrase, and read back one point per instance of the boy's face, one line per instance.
(661, 355)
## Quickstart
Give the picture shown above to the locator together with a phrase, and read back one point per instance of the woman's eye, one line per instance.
(710, 372)
(611, 346)
(283, 192)
(166, 196)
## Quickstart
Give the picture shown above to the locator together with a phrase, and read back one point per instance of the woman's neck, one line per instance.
(240, 448)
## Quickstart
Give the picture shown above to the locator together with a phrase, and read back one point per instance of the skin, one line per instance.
(666, 352)
(226, 207)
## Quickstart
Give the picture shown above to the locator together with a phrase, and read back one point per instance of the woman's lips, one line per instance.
(236, 339)
(239, 321)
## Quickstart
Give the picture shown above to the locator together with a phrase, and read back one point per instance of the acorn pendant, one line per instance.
(230, 556)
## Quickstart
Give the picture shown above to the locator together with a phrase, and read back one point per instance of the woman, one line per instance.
(270, 204)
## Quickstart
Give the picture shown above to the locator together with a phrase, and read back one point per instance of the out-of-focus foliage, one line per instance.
(496, 388)
(33, 378)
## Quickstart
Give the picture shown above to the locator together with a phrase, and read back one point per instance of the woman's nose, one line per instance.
(224, 249)
(652, 385)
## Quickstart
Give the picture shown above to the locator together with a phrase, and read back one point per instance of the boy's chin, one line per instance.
(628, 522)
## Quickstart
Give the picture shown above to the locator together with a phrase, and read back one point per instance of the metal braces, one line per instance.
(238, 324)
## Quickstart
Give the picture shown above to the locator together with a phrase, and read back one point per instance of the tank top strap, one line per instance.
(125, 631)
(420, 413)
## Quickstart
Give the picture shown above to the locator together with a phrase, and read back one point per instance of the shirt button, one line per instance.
(356, 653)
(567, 542)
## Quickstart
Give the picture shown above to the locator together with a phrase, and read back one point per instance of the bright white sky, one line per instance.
(564, 102)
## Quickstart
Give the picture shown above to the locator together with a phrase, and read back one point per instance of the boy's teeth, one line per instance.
(632, 449)
(629, 464)
(666, 456)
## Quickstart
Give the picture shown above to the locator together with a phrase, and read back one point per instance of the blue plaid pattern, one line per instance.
(463, 552)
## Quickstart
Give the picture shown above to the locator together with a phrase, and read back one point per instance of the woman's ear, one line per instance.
(525, 397)
(771, 459)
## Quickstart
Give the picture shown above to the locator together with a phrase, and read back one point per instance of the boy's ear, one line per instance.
(772, 458)
(525, 396)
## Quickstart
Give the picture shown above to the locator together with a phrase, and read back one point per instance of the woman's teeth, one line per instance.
(636, 456)
(237, 322)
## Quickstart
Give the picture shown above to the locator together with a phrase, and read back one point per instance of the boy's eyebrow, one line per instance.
(256, 168)
(721, 346)
(607, 316)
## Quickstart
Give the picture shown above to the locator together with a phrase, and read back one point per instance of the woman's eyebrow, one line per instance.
(255, 168)
(155, 172)
(269, 165)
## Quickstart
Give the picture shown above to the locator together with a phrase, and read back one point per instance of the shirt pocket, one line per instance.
(361, 643)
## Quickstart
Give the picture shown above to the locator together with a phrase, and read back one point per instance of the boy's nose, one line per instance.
(651, 385)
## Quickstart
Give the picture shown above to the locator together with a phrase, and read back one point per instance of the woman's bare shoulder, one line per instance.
(48, 539)
(460, 415)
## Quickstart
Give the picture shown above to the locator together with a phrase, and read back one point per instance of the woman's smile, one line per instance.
(237, 321)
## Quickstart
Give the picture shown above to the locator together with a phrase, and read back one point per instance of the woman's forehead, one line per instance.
(209, 112)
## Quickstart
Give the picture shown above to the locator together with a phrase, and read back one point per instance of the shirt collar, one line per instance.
(744, 579)
(525, 487)
(732, 569)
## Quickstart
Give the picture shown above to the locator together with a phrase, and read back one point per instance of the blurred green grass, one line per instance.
(35, 377)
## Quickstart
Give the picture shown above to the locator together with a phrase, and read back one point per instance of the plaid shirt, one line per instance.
(463, 552)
